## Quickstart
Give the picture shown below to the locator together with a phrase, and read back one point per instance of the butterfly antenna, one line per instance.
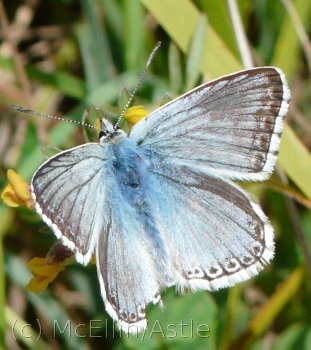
(138, 84)
(30, 111)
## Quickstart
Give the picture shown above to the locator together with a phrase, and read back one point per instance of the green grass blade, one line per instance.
(179, 18)
(287, 49)
(174, 66)
(195, 54)
(219, 18)
(95, 48)
(271, 309)
(46, 306)
(295, 159)
(135, 37)
(113, 17)
(26, 336)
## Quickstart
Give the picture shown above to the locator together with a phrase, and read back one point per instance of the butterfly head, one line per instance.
(108, 133)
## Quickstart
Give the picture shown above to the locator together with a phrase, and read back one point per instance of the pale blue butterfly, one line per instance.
(158, 206)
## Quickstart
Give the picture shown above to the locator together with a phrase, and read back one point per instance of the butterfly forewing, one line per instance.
(70, 196)
(229, 127)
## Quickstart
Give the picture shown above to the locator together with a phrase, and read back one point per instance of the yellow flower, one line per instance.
(97, 124)
(16, 192)
(93, 260)
(46, 269)
(134, 114)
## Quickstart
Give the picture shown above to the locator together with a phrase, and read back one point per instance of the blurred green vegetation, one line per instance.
(75, 54)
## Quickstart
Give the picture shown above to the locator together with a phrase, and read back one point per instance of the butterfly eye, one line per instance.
(103, 133)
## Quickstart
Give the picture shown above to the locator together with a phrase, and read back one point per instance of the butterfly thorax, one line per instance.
(125, 164)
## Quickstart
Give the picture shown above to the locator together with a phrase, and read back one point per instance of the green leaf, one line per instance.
(186, 321)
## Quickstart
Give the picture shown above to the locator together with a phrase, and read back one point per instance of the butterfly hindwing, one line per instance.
(127, 272)
(216, 234)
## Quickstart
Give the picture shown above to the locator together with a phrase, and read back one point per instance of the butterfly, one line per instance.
(158, 205)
